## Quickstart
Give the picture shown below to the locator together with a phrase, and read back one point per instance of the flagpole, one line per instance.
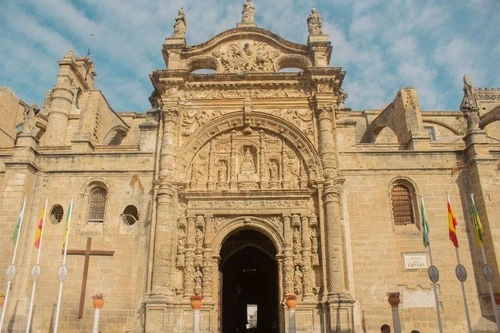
(433, 271)
(463, 292)
(436, 297)
(35, 272)
(11, 270)
(63, 272)
(460, 271)
(486, 267)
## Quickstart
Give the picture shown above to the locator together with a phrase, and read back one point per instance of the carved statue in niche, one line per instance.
(297, 279)
(222, 171)
(296, 240)
(248, 163)
(314, 241)
(199, 238)
(198, 279)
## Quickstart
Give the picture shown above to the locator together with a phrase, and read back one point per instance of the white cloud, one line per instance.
(383, 46)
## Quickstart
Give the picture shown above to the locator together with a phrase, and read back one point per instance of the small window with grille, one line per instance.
(97, 205)
(402, 207)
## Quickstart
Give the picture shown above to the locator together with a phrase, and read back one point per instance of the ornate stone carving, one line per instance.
(181, 245)
(297, 279)
(248, 12)
(314, 23)
(194, 119)
(219, 221)
(246, 56)
(243, 92)
(242, 204)
(198, 280)
(179, 25)
(303, 119)
(469, 106)
(296, 240)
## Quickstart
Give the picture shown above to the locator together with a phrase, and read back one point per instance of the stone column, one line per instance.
(288, 256)
(334, 246)
(306, 259)
(190, 253)
(163, 245)
(339, 301)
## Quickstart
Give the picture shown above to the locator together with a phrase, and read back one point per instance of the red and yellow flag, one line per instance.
(452, 225)
(40, 227)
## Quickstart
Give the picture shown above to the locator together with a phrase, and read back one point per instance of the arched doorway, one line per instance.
(249, 284)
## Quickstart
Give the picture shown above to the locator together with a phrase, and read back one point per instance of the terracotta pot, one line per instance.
(2, 299)
(393, 300)
(291, 303)
(196, 304)
(98, 303)
(497, 299)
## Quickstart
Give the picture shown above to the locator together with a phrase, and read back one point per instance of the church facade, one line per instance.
(244, 187)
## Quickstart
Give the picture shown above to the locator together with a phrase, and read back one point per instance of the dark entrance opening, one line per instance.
(249, 282)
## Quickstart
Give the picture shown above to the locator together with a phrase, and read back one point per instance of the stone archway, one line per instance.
(248, 282)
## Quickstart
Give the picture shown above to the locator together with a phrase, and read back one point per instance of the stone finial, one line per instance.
(248, 12)
(469, 106)
(314, 23)
(180, 25)
(70, 55)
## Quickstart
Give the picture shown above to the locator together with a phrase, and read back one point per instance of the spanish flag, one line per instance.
(40, 228)
(478, 227)
(452, 224)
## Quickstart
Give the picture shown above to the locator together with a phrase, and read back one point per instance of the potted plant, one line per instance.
(291, 301)
(98, 300)
(196, 302)
(393, 298)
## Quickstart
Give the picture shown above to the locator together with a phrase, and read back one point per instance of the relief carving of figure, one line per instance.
(181, 241)
(180, 25)
(273, 170)
(248, 12)
(314, 23)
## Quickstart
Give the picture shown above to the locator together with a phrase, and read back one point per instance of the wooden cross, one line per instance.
(87, 253)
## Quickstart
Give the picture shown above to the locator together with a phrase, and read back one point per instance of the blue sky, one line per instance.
(382, 45)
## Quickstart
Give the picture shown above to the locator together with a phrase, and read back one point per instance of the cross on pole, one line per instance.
(87, 253)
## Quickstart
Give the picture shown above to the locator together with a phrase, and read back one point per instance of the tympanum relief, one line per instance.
(240, 161)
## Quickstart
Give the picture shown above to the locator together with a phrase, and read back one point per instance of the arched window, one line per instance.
(97, 204)
(402, 205)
